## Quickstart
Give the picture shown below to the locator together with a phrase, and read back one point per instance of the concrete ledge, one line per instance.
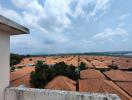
(12, 27)
(45, 94)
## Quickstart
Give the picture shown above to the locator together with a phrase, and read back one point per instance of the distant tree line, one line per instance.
(44, 73)
(15, 59)
(116, 53)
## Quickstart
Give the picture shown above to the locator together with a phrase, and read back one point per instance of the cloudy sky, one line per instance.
(70, 26)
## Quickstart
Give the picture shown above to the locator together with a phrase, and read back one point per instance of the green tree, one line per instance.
(82, 66)
(113, 65)
(12, 69)
(44, 73)
(15, 59)
(39, 76)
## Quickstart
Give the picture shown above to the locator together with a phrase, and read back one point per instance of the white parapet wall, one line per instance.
(42, 94)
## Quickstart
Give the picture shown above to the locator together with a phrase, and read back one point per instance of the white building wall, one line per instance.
(4, 62)
(42, 94)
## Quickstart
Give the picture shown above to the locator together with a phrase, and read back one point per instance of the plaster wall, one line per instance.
(42, 94)
(4, 62)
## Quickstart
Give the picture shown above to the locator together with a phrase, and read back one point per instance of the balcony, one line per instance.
(16, 93)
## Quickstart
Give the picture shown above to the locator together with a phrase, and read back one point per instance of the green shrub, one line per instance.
(30, 59)
(44, 73)
(113, 65)
(82, 66)
(15, 59)
(12, 69)
(39, 76)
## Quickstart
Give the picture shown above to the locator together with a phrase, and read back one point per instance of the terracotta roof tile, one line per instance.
(20, 73)
(124, 63)
(62, 83)
(99, 64)
(91, 73)
(118, 75)
(102, 86)
(22, 81)
(127, 86)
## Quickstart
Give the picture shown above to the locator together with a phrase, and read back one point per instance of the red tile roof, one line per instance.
(127, 86)
(25, 80)
(99, 64)
(62, 83)
(102, 86)
(91, 73)
(20, 73)
(124, 63)
(118, 75)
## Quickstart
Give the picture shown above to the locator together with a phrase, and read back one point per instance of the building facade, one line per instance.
(7, 28)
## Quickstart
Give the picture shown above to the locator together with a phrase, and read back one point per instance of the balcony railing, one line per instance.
(15, 93)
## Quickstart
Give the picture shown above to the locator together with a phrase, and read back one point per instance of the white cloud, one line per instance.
(124, 16)
(101, 5)
(110, 34)
(91, 9)
(21, 3)
(46, 21)
(121, 24)
(11, 14)
(52, 15)
(51, 20)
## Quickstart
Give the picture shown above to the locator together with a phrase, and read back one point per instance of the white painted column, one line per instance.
(4, 62)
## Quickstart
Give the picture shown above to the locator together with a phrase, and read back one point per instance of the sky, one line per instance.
(70, 26)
